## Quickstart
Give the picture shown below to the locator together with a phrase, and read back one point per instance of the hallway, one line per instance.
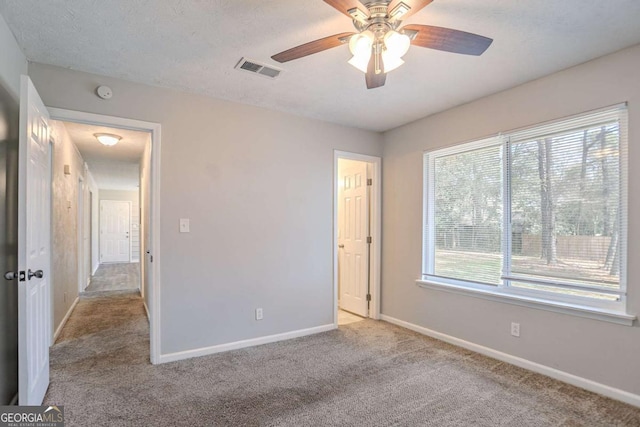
(115, 277)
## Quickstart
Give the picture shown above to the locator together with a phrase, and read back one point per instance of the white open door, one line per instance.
(353, 230)
(115, 223)
(34, 248)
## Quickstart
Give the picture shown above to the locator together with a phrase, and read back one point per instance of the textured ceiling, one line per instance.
(194, 45)
(113, 168)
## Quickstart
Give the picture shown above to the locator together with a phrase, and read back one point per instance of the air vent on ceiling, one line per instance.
(255, 67)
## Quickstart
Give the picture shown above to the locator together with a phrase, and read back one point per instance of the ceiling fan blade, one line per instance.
(449, 40)
(415, 5)
(312, 47)
(375, 80)
(343, 6)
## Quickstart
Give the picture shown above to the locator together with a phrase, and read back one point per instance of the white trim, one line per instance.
(587, 384)
(376, 230)
(80, 217)
(146, 310)
(500, 295)
(204, 351)
(154, 274)
(64, 319)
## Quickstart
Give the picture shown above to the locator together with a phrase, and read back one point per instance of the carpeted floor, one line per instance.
(366, 373)
(115, 277)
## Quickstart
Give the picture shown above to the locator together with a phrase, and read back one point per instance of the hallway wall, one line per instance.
(64, 222)
(134, 198)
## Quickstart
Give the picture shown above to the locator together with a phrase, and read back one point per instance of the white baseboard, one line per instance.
(605, 390)
(146, 309)
(95, 268)
(64, 319)
(204, 351)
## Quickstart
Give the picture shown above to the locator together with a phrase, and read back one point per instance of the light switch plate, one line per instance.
(184, 225)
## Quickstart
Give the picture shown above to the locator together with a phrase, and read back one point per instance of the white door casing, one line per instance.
(115, 225)
(34, 247)
(80, 231)
(353, 230)
(154, 256)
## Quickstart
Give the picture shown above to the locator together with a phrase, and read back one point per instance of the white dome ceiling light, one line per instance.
(108, 139)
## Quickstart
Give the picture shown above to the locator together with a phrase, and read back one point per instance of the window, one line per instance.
(538, 213)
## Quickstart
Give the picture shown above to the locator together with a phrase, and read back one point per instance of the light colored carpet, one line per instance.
(366, 373)
(115, 277)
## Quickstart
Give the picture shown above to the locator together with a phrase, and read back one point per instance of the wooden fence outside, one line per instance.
(592, 248)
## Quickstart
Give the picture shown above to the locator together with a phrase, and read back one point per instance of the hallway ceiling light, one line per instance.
(107, 139)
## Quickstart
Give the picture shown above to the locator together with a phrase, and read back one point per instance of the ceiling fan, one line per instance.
(380, 43)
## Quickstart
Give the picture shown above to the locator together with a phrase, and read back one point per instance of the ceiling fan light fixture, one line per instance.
(396, 43)
(390, 61)
(360, 44)
(361, 62)
(107, 139)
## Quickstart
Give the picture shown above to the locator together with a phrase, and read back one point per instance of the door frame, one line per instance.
(130, 251)
(155, 129)
(375, 226)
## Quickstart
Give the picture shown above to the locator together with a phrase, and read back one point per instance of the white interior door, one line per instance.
(353, 230)
(115, 219)
(34, 206)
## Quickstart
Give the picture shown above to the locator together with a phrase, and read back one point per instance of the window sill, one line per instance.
(606, 315)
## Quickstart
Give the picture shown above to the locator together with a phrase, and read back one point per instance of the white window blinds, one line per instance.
(541, 209)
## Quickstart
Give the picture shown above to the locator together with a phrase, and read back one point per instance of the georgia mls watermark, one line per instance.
(31, 416)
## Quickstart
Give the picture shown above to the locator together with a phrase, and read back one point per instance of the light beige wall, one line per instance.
(257, 186)
(12, 61)
(134, 198)
(65, 222)
(603, 352)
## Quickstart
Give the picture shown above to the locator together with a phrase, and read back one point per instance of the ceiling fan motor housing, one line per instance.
(378, 21)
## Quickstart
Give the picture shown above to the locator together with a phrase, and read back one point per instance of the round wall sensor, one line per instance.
(104, 92)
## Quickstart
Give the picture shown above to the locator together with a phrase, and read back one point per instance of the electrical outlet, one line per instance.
(65, 297)
(515, 329)
(259, 315)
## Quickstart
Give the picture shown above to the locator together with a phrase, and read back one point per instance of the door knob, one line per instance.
(38, 273)
(10, 275)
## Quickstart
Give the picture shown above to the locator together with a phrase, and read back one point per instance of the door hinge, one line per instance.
(368, 297)
(369, 181)
(369, 239)
(151, 258)
(22, 276)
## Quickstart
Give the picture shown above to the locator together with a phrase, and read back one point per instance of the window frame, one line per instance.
(599, 308)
